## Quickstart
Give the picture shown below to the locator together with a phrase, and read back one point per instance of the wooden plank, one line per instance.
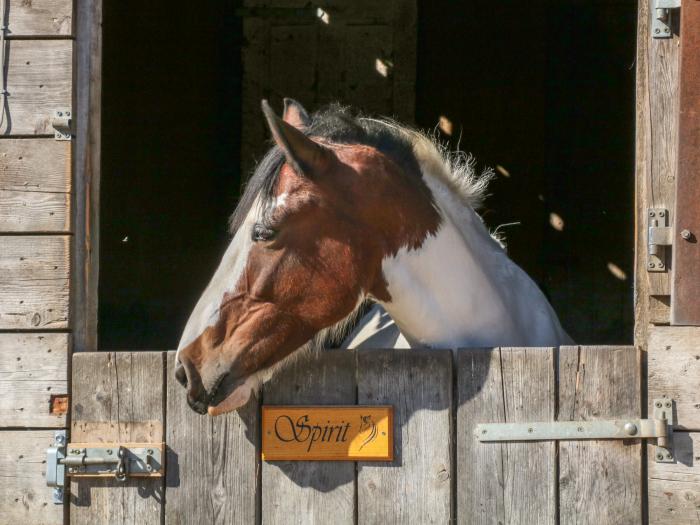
(39, 17)
(509, 482)
(311, 492)
(33, 369)
(685, 307)
(417, 486)
(34, 284)
(88, 113)
(35, 164)
(480, 482)
(24, 496)
(674, 488)
(673, 365)
(31, 211)
(117, 397)
(656, 154)
(599, 481)
(39, 81)
(35, 185)
(213, 463)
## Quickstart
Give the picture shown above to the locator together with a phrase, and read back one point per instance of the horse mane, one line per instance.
(416, 152)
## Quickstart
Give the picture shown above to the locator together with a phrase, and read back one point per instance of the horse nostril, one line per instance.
(181, 375)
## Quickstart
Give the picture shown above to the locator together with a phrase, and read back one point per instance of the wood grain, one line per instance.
(31, 211)
(312, 492)
(39, 18)
(599, 480)
(656, 158)
(86, 228)
(117, 397)
(673, 364)
(213, 463)
(34, 283)
(480, 480)
(24, 496)
(39, 81)
(33, 368)
(685, 307)
(674, 488)
(417, 486)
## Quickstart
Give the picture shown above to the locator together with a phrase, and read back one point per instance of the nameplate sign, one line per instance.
(330, 433)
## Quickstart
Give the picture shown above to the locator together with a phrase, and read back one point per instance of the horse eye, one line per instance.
(263, 233)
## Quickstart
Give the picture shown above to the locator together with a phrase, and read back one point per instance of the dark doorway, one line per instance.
(543, 92)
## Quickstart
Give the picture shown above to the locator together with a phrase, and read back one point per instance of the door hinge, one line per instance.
(660, 427)
(62, 123)
(97, 460)
(659, 239)
(662, 18)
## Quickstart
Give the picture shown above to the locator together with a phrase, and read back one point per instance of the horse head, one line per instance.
(329, 202)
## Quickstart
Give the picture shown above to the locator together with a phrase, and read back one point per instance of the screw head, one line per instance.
(657, 404)
(109, 451)
(652, 214)
(149, 468)
(630, 429)
(669, 455)
(580, 429)
(667, 404)
(657, 31)
(660, 456)
(661, 265)
(530, 430)
(150, 451)
(662, 213)
(651, 265)
(685, 235)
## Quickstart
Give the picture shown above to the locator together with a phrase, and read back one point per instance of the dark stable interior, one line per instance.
(542, 91)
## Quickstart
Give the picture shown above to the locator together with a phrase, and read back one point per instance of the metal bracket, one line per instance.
(660, 428)
(62, 124)
(90, 460)
(662, 18)
(660, 237)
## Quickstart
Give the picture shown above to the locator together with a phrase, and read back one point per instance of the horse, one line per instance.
(343, 211)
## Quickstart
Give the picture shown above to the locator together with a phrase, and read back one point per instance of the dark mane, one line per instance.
(334, 123)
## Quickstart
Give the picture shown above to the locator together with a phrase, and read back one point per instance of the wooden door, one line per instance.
(668, 146)
(440, 472)
(36, 226)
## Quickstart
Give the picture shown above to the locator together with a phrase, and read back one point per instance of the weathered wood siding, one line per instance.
(440, 473)
(674, 371)
(35, 242)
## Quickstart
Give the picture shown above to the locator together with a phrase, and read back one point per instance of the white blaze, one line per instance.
(206, 312)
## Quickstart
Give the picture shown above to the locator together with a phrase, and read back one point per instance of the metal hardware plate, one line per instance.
(662, 18)
(97, 460)
(659, 428)
(88, 460)
(62, 124)
(659, 239)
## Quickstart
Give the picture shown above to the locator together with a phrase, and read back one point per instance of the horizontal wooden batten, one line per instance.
(39, 82)
(34, 282)
(24, 496)
(33, 375)
(35, 185)
(39, 18)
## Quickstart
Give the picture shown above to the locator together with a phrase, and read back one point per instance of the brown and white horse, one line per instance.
(341, 211)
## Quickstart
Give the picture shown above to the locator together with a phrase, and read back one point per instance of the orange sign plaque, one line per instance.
(331, 433)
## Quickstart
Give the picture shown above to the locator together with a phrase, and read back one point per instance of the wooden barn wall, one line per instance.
(670, 352)
(440, 472)
(36, 227)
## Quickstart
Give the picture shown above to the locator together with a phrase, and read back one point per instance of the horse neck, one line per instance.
(461, 289)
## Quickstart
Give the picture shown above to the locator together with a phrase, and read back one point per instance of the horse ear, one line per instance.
(295, 114)
(305, 156)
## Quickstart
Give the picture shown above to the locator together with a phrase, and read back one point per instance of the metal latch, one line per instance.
(662, 18)
(90, 460)
(660, 236)
(62, 124)
(659, 428)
